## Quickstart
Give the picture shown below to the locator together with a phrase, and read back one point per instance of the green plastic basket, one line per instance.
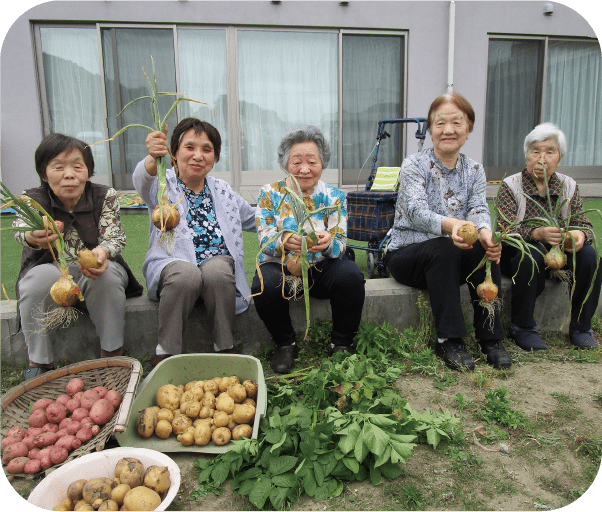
(182, 369)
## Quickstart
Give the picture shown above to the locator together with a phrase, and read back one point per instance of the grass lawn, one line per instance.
(136, 229)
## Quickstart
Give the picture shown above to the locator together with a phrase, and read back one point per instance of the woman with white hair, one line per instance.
(303, 153)
(544, 148)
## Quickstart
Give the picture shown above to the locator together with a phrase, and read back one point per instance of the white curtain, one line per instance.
(285, 79)
(574, 98)
(73, 87)
(511, 100)
(371, 92)
(203, 77)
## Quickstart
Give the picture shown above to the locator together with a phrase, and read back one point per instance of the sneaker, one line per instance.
(454, 355)
(527, 339)
(583, 339)
(496, 353)
(283, 358)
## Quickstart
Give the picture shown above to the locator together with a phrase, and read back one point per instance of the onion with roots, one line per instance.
(165, 217)
(487, 290)
(468, 233)
(555, 258)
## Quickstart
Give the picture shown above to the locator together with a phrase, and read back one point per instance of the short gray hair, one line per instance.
(303, 134)
(546, 131)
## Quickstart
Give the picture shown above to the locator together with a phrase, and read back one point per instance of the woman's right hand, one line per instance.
(156, 145)
(39, 239)
(549, 234)
(450, 226)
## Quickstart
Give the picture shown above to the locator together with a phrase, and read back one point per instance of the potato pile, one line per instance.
(57, 427)
(201, 412)
(132, 488)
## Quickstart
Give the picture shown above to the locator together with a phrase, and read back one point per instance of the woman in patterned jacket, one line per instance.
(304, 153)
(441, 190)
(207, 260)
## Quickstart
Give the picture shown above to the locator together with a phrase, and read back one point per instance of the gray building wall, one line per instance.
(427, 23)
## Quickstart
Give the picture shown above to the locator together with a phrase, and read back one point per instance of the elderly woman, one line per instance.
(544, 148)
(441, 190)
(90, 219)
(207, 261)
(304, 152)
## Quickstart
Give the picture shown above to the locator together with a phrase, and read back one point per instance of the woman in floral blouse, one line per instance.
(544, 148)
(441, 190)
(88, 215)
(304, 153)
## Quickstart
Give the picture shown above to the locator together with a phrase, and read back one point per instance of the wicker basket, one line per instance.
(121, 374)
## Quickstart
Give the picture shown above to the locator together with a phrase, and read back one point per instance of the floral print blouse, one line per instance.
(207, 239)
(272, 215)
(111, 235)
(429, 191)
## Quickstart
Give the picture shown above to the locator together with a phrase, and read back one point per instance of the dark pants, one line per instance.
(440, 267)
(339, 280)
(526, 289)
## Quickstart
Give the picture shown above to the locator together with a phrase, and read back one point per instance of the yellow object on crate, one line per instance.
(386, 179)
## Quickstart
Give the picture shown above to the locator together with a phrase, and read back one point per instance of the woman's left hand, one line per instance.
(324, 241)
(577, 245)
(494, 252)
(102, 256)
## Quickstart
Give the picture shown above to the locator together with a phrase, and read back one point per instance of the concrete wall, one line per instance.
(426, 23)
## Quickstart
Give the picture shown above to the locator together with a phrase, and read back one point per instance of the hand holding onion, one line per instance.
(42, 238)
(575, 245)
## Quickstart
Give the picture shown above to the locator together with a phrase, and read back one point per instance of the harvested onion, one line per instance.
(65, 291)
(487, 290)
(555, 258)
(165, 217)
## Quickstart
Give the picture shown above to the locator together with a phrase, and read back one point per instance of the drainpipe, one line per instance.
(450, 48)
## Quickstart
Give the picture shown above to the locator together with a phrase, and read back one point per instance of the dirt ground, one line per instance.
(530, 471)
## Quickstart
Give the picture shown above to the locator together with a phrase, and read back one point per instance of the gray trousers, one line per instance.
(181, 285)
(104, 300)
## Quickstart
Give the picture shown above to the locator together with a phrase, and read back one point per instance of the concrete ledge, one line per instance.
(386, 300)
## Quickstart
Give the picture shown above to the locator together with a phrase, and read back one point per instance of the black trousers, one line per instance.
(339, 280)
(526, 289)
(440, 267)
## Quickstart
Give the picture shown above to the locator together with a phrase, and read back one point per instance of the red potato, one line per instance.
(7, 441)
(33, 431)
(37, 418)
(44, 452)
(84, 434)
(45, 461)
(88, 398)
(58, 454)
(78, 395)
(114, 398)
(28, 441)
(63, 399)
(65, 422)
(73, 427)
(50, 427)
(45, 439)
(42, 403)
(101, 391)
(86, 422)
(55, 413)
(33, 453)
(32, 467)
(101, 412)
(16, 432)
(73, 404)
(68, 442)
(61, 433)
(12, 451)
(95, 429)
(74, 386)
(79, 414)
(16, 465)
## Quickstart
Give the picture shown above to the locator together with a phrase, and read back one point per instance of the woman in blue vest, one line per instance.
(544, 148)
(90, 219)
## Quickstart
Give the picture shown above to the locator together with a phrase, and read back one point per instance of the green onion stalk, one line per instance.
(555, 259)
(64, 291)
(297, 264)
(488, 290)
(165, 216)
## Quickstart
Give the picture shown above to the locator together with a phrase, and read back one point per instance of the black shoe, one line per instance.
(32, 372)
(582, 339)
(454, 354)
(283, 358)
(527, 339)
(496, 353)
(332, 348)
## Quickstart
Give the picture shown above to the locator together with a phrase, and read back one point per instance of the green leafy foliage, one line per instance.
(497, 409)
(342, 422)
